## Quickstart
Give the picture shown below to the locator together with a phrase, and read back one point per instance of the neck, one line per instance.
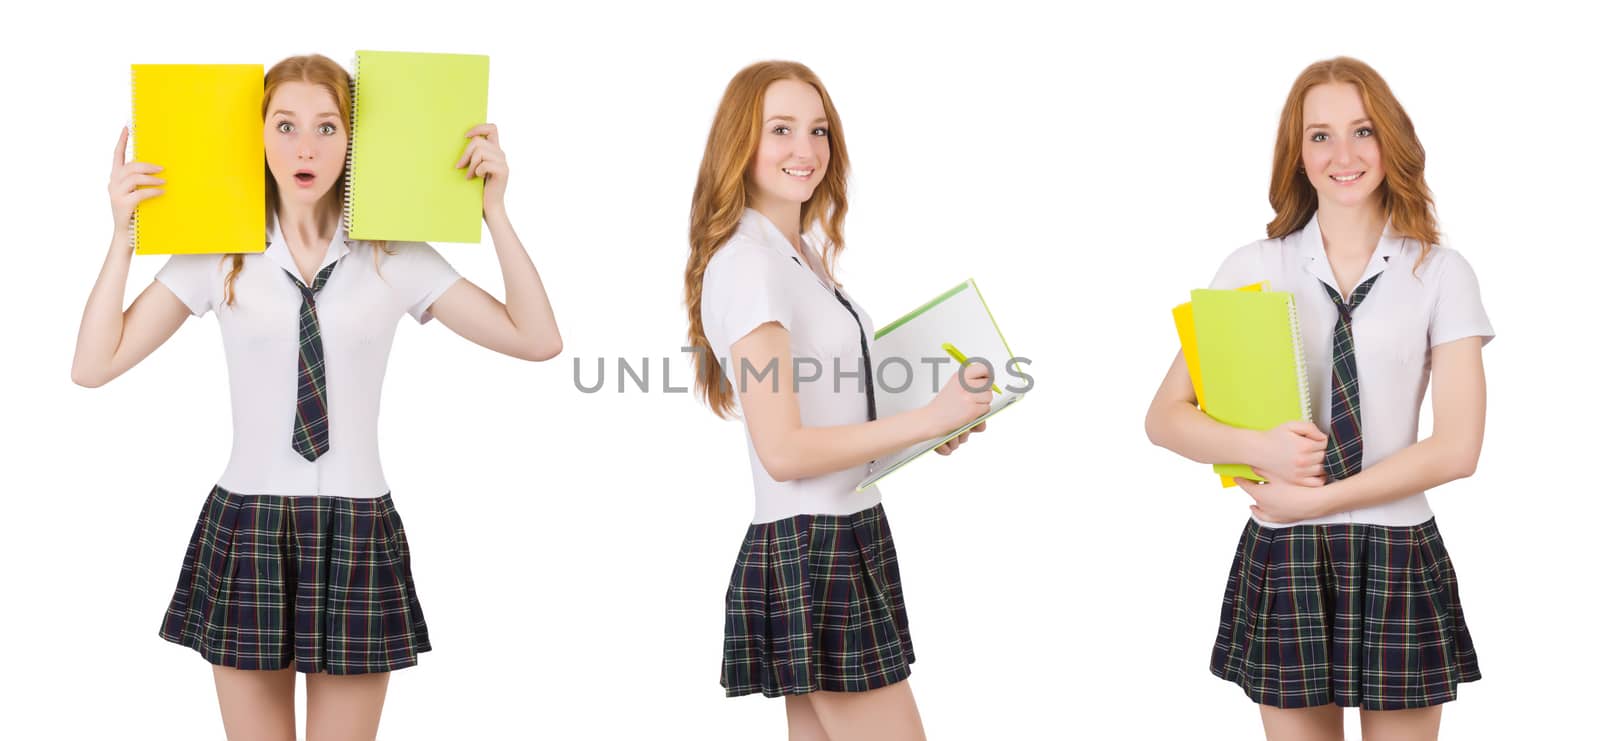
(301, 225)
(786, 216)
(1351, 230)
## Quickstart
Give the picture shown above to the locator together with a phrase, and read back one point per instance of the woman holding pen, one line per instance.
(815, 612)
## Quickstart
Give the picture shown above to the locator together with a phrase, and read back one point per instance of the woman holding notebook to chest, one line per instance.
(814, 607)
(299, 561)
(1341, 593)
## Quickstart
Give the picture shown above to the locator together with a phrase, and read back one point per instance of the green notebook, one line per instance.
(1252, 361)
(912, 366)
(412, 112)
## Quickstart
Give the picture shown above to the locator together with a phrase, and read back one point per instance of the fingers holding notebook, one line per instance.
(486, 130)
(1293, 451)
(949, 446)
(483, 158)
(125, 182)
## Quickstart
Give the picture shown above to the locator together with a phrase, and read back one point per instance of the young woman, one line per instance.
(814, 608)
(299, 561)
(1341, 593)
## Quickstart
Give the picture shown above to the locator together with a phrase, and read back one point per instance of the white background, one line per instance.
(1087, 167)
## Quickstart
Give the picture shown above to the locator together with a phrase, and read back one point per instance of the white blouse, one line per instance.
(358, 310)
(1400, 320)
(756, 278)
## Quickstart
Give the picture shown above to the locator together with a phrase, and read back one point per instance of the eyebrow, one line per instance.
(819, 119)
(287, 112)
(1311, 126)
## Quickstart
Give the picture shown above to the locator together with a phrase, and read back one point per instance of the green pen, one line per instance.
(962, 359)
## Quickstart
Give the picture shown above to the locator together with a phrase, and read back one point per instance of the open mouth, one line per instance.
(304, 177)
(1347, 178)
(799, 172)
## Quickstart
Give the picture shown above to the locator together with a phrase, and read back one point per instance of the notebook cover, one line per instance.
(1250, 358)
(1183, 319)
(202, 124)
(412, 112)
(959, 316)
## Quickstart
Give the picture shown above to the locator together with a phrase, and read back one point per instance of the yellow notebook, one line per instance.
(412, 112)
(1252, 361)
(1183, 318)
(202, 124)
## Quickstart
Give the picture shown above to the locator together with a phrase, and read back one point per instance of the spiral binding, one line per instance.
(350, 152)
(133, 75)
(1300, 370)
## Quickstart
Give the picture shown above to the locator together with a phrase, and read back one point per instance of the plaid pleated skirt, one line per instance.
(815, 604)
(322, 584)
(1356, 615)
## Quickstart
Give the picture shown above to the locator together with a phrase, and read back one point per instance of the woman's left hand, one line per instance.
(955, 442)
(1282, 502)
(484, 158)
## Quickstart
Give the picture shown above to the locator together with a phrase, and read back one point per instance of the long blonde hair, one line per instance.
(721, 193)
(1406, 199)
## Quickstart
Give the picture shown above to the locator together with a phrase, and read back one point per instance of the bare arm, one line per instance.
(111, 340)
(1450, 452)
(790, 450)
(522, 327)
(1175, 423)
(525, 325)
(1294, 450)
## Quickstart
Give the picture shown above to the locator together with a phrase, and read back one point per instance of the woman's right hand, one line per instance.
(1293, 451)
(956, 404)
(126, 177)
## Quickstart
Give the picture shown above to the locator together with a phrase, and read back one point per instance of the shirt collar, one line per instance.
(1316, 253)
(278, 250)
(757, 226)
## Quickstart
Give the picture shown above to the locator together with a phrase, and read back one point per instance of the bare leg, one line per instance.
(1321, 723)
(256, 705)
(344, 708)
(884, 714)
(1421, 724)
(804, 725)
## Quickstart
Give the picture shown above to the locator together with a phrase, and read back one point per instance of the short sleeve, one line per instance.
(1458, 310)
(421, 275)
(1240, 269)
(194, 279)
(741, 291)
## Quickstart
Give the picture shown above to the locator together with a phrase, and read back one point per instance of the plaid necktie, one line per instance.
(1343, 459)
(311, 403)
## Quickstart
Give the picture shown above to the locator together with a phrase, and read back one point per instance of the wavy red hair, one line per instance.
(722, 191)
(1405, 196)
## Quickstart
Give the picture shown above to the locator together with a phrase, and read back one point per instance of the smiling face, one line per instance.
(1339, 146)
(305, 142)
(792, 154)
